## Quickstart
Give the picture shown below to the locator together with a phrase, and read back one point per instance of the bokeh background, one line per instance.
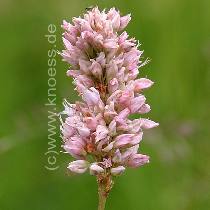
(175, 34)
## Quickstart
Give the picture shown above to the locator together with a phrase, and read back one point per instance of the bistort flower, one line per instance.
(104, 63)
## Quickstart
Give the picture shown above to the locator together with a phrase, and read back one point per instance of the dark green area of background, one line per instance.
(175, 34)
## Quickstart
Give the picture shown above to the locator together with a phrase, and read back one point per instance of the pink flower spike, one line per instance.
(104, 65)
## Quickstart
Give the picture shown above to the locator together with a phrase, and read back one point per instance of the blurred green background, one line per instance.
(175, 34)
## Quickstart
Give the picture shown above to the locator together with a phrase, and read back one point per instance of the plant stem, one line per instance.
(104, 187)
(101, 198)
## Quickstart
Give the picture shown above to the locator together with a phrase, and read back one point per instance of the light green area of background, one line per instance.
(175, 34)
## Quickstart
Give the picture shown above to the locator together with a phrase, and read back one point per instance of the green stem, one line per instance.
(104, 187)
(101, 198)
